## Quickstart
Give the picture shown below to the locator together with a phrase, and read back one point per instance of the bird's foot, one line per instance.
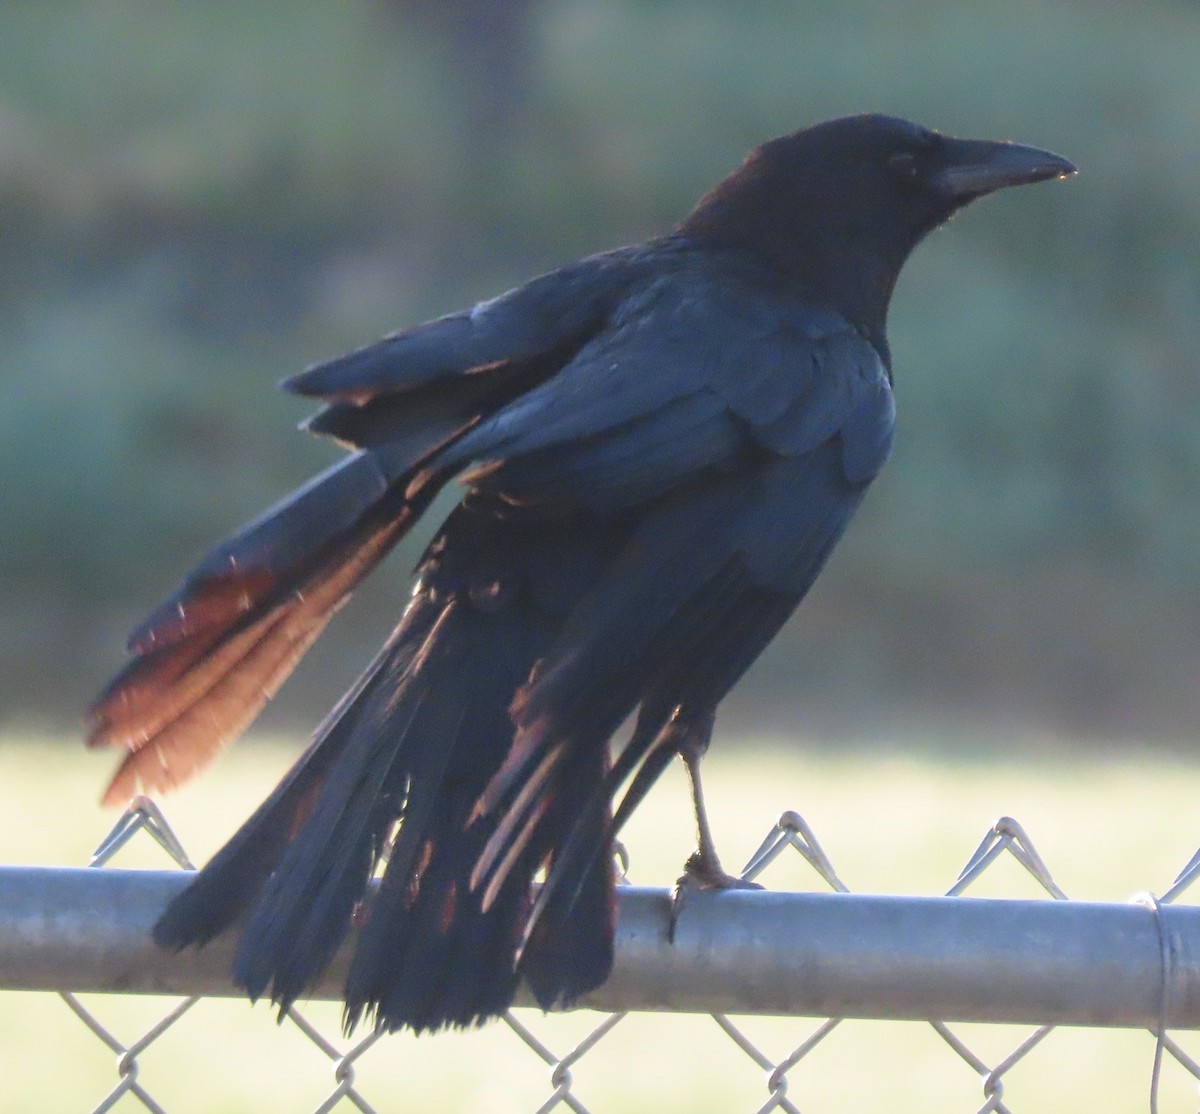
(704, 872)
(701, 872)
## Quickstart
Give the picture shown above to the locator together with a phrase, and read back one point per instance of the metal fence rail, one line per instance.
(829, 955)
(742, 951)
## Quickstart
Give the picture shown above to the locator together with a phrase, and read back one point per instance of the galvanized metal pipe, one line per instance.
(826, 955)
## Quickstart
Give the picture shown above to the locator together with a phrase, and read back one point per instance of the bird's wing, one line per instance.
(752, 424)
(696, 371)
(705, 581)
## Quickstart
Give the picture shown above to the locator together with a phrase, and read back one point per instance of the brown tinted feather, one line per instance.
(204, 726)
(181, 732)
(215, 603)
(158, 687)
(512, 828)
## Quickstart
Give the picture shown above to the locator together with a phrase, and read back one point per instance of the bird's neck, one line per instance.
(827, 262)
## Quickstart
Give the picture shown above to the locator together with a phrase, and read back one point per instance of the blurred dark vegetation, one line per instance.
(198, 199)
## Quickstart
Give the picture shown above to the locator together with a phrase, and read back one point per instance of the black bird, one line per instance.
(659, 446)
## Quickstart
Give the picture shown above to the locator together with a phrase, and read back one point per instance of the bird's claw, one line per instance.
(701, 872)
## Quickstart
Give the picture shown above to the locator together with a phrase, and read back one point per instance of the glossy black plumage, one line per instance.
(660, 446)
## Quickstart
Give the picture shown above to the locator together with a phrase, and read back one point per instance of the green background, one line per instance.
(196, 200)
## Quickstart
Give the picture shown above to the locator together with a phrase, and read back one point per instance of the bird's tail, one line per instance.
(391, 786)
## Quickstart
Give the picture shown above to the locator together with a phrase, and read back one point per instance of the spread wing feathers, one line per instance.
(549, 313)
(701, 587)
(431, 951)
(610, 430)
(412, 755)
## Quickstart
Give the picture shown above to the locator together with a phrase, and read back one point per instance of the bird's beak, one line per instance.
(974, 167)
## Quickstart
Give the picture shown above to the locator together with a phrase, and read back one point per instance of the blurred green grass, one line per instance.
(198, 200)
(897, 815)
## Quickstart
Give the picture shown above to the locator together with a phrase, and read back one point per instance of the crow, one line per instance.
(658, 448)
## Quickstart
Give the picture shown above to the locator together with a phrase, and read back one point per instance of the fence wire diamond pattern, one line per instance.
(790, 833)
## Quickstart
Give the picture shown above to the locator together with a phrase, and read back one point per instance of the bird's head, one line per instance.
(841, 205)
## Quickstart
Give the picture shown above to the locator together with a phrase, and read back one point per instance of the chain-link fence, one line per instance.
(942, 960)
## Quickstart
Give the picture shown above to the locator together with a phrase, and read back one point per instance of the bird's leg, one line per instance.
(703, 870)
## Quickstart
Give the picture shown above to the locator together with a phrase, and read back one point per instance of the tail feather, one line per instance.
(231, 881)
(429, 953)
(570, 949)
(429, 956)
(304, 910)
(221, 893)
